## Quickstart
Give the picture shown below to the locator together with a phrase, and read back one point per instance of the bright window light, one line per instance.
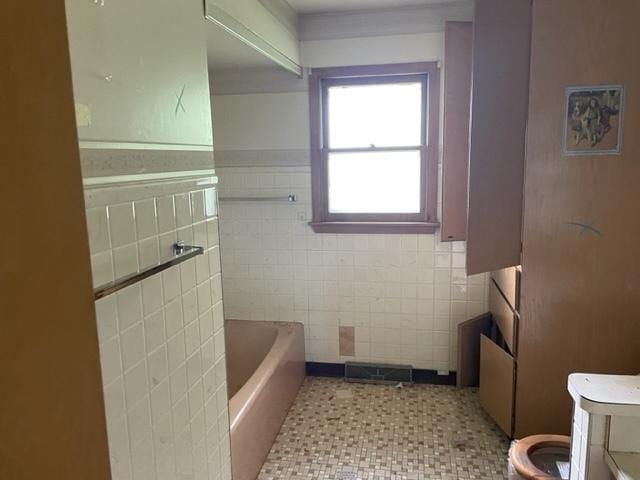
(366, 124)
(374, 182)
(382, 115)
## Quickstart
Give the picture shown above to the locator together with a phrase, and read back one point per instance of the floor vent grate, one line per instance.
(378, 373)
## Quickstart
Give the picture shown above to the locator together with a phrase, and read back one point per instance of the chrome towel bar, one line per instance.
(289, 198)
(182, 253)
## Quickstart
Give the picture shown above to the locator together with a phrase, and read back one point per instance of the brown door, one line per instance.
(580, 302)
(501, 43)
(457, 103)
(51, 409)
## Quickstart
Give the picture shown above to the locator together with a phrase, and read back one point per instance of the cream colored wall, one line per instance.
(131, 61)
(267, 121)
(405, 295)
(373, 50)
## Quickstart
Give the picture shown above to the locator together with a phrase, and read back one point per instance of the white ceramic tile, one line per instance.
(176, 351)
(110, 360)
(132, 343)
(98, 228)
(171, 283)
(173, 317)
(125, 260)
(152, 294)
(136, 386)
(154, 330)
(107, 318)
(143, 336)
(160, 401)
(148, 252)
(178, 383)
(198, 206)
(183, 210)
(122, 224)
(166, 214)
(158, 368)
(119, 451)
(102, 268)
(129, 303)
(139, 422)
(146, 218)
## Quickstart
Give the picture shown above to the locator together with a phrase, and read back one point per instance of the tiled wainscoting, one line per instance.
(403, 294)
(161, 341)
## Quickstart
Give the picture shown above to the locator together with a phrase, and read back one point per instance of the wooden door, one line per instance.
(501, 43)
(457, 104)
(52, 422)
(580, 302)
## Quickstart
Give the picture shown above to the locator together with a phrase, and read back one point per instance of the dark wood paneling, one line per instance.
(501, 43)
(457, 103)
(52, 421)
(580, 302)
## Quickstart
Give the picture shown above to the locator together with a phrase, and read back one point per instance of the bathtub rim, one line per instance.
(246, 396)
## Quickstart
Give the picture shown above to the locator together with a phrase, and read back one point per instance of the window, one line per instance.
(374, 136)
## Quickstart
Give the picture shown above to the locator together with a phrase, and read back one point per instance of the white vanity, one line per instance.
(605, 439)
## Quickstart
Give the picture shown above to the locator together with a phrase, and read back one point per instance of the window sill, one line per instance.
(374, 227)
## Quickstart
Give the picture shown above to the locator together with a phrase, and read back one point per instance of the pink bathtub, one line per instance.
(265, 367)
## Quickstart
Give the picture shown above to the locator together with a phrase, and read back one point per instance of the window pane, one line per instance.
(384, 115)
(374, 182)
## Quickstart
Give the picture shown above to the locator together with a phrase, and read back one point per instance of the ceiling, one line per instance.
(321, 6)
(226, 52)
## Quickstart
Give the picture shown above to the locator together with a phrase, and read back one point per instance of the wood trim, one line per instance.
(422, 222)
(580, 306)
(374, 227)
(455, 149)
(372, 70)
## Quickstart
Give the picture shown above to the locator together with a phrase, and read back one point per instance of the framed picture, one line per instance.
(593, 120)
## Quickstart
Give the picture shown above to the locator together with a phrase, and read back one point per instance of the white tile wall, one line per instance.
(161, 341)
(404, 294)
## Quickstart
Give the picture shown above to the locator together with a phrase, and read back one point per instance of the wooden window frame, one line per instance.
(323, 221)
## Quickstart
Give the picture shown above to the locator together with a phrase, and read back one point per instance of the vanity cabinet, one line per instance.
(140, 72)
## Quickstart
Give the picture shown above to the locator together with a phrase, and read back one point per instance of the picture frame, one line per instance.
(593, 120)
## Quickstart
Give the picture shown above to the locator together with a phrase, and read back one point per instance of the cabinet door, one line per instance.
(140, 71)
(497, 377)
(501, 47)
(455, 155)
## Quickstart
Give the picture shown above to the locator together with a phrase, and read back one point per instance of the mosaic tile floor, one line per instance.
(345, 431)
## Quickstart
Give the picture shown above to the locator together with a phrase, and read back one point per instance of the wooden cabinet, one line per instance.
(580, 304)
(457, 102)
(497, 383)
(140, 71)
(499, 99)
(578, 307)
(498, 352)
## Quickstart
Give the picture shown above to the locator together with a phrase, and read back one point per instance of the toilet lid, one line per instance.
(521, 454)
